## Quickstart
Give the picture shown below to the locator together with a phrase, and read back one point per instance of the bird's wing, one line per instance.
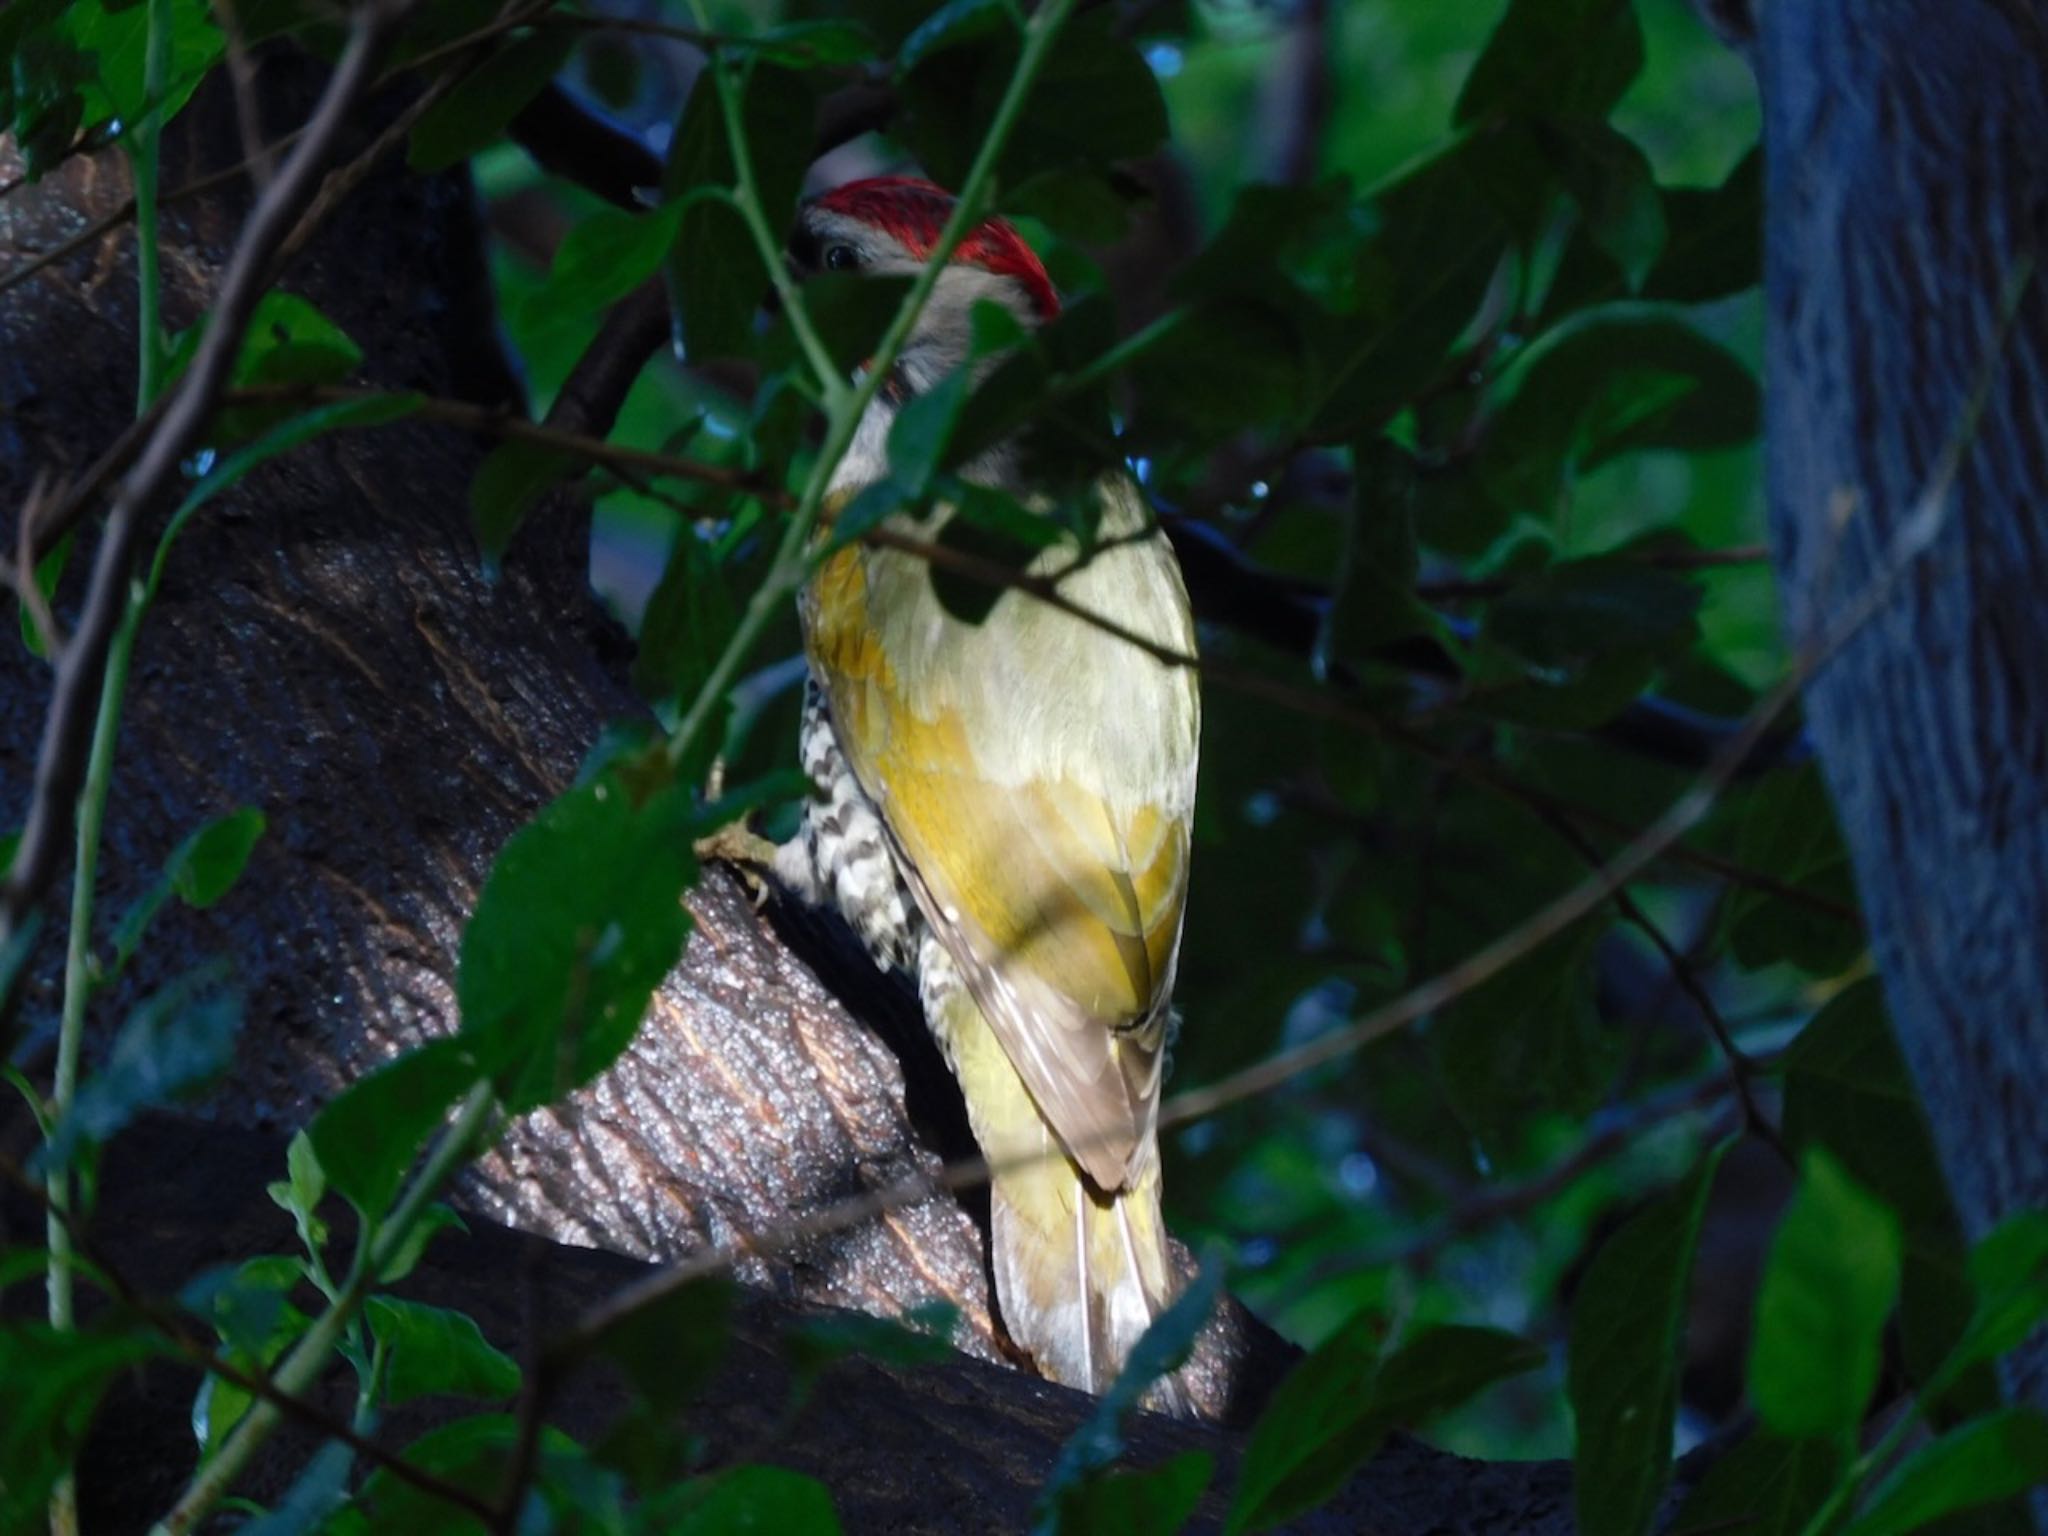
(1059, 895)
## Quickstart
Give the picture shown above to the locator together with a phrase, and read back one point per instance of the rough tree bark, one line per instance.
(1907, 148)
(326, 647)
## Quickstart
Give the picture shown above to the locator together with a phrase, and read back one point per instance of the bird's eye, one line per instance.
(841, 258)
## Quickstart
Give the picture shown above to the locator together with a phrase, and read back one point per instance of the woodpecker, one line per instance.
(1004, 809)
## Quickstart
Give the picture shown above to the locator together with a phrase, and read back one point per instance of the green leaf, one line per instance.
(1626, 1353)
(997, 553)
(1571, 646)
(689, 618)
(289, 341)
(923, 428)
(1614, 382)
(508, 484)
(41, 83)
(952, 25)
(2009, 1269)
(405, 1258)
(368, 1138)
(1163, 1348)
(245, 1303)
(475, 113)
(305, 1175)
(1983, 1462)
(199, 871)
(1095, 100)
(1714, 238)
(1555, 58)
(1528, 1040)
(849, 311)
(717, 280)
(1327, 1393)
(1076, 202)
(174, 1044)
(580, 919)
(313, 1497)
(1763, 1487)
(117, 38)
(250, 1308)
(49, 571)
(1156, 1501)
(1828, 1287)
(54, 1383)
(209, 862)
(1335, 1408)
(814, 44)
(436, 1352)
(1374, 599)
(920, 433)
(1225, 365)
(1847, 1089)
(1610, 180)
(747, 1501)
(473, 1454)
(1789, 828)
(607, 255)
(1437, 242)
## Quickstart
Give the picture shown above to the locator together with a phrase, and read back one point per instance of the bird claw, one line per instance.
(748, 854)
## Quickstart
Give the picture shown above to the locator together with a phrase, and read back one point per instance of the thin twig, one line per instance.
(202, 1356)
(1491, 1205)
(26, 558)
(302, 1366)
(503, 421)
(256, 154)
(1741, 1070)
(60, 760)
(1454, 589)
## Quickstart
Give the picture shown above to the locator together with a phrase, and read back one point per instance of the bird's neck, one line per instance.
(866, 459)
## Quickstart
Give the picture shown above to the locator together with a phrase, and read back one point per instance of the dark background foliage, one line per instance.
(1434, 332)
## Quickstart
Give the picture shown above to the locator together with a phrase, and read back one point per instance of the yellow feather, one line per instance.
(1037, 776)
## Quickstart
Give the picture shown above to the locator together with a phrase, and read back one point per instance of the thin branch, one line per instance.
(502, 421)
(1488, 1206)
(125, 211)
(60, 760)
(1741, 1070)
(23, 572)
(1455, 590)
(201, 1355)
(256, 154)
(302, 1366)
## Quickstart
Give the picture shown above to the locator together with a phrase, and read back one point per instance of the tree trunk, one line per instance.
(1907, 199)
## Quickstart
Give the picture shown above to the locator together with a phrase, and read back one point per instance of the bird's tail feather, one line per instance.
(1080, 1273)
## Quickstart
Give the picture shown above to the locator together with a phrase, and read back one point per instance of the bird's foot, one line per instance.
(749, 855)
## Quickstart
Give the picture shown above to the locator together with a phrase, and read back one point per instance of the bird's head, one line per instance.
(886, 226)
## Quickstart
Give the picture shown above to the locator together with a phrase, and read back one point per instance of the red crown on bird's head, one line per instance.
(914, 212)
